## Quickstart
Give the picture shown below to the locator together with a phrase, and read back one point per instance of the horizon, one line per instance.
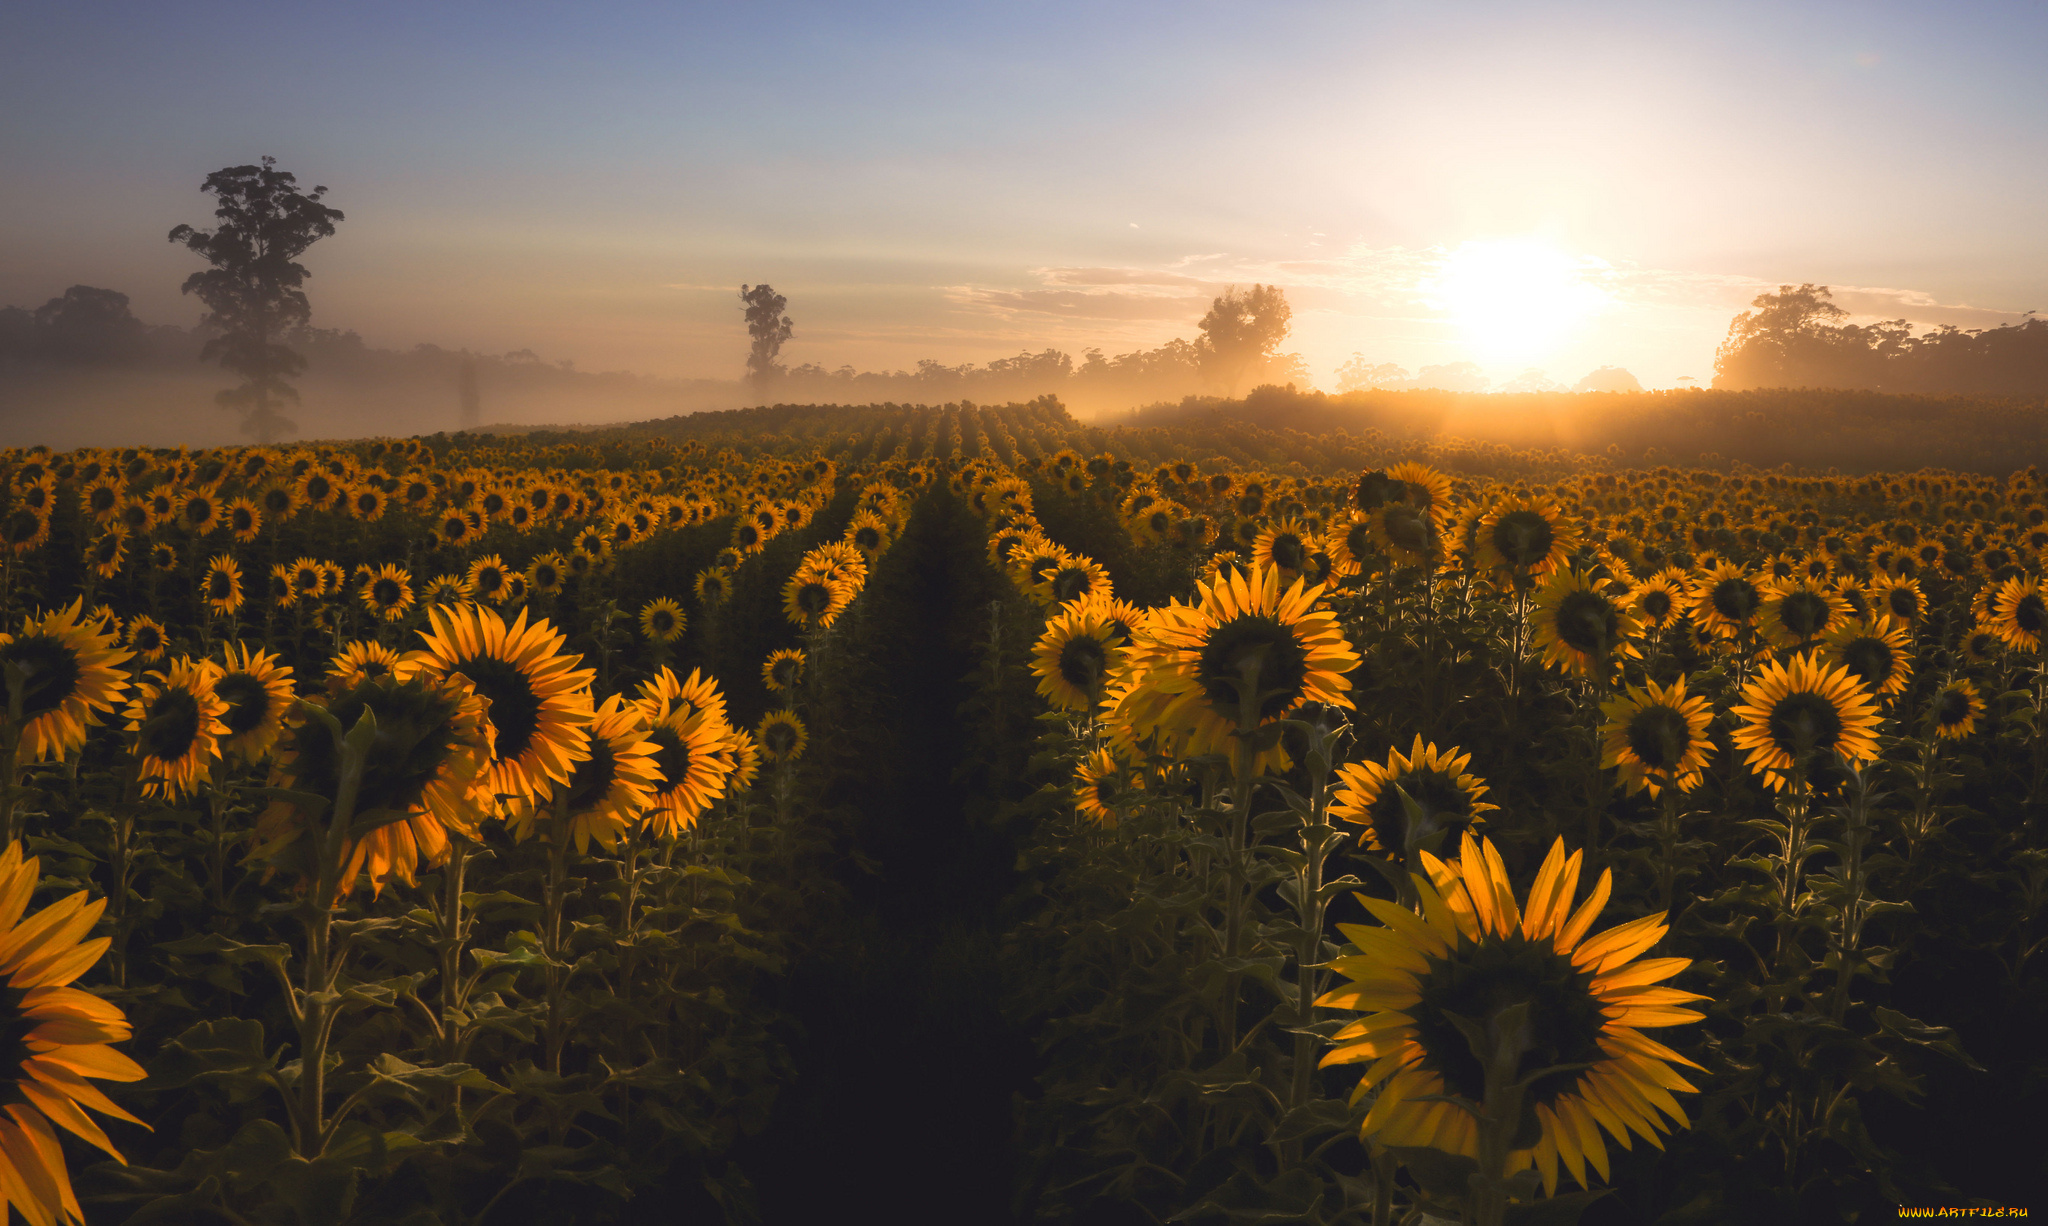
(1072, 192)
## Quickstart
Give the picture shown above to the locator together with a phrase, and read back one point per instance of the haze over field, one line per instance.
(1537, 190)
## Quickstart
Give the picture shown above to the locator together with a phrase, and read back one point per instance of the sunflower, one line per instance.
(869, 533)
(486, 579)
(69, 672)
(781, 737)
(146, 639)
(1405, 532)
(783, 670)
(367, 502)
(1247, 631)
(444, 590)
(1956, 710)
(200, 512)
(59, 1037)
(1351, 545)
(1662, 599)
(1078, 651)
(102, 498)
(423, 778)
(258, 693)
(539, 700)
(662, 621)
(278, 502)
(1471, 954)
(1435, 781)
(1798, 612)
(387, 592)
(1875, 651)
(1802, 708)
(1523, 539)
(1581, 625)
(1099, 782)
(222, 586)
(712, 586)
(815, 601)
(2018, 614)
(1726, 601)
(244, 519)
(694, 759)
(176, 719)
(107, 552)
(547, 572)
(1286, 544)
(360, 661)
(1423, 486)
(306, 577)
(1981, 643)
(609, 789)
(662, 695)
(1657, 737)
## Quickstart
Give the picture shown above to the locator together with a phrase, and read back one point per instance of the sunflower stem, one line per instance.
(551, 925)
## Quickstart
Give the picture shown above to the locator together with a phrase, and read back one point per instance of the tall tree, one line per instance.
(252, 289)
(1241, 330)
(768, 328)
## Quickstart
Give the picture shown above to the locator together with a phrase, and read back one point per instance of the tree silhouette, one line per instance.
(1243, 328)
(768, 328)
(252, 291)
(87, 325)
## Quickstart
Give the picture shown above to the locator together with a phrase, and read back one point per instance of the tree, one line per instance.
(1358, 375)
(87, 326)
(768, 328)
(252, 291)
(1609, 379)
(1241, 330)
(1795, 338)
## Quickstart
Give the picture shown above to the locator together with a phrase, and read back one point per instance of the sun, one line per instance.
(1515, 299)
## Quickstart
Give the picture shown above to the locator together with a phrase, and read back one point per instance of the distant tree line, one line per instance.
(1797, 338)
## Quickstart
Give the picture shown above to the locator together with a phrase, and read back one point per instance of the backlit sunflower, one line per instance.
(662, 620)
(1250, 648)
(1424, 487)
(1876, 652)
(1798, 612)
(1662, 599)
(2018, 614)
(70, 675)
(1801, 709)
(1523, 539)
(223, 586)
(1436, 781)
(176, 719)
(388, 592)
(1350, 545)
(1077, 652)
(539, 700)
(781, 737)
(244, 519)
(146, 639)
(423, 778)
(694, 759)
(547, 573)
(1657, 737)
(163, 556)
(1956, 710)
(1582, 626)
(360, 661)
(783, 670)
(258, 693)
(1286, 544)
(444, 590)
(815, 601)
(307, 576)
(608, 790)
(107, 552)
(712, 586)
(662, 695)
(486, 579)
(1726, 601)
(1472, 953)
(58, 1036)
(1099, 782)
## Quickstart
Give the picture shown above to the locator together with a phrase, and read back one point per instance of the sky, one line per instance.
(1527, 186)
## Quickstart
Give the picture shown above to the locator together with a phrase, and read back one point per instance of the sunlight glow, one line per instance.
(1515, 299)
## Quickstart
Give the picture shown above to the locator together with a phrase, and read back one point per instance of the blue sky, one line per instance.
(958, 181)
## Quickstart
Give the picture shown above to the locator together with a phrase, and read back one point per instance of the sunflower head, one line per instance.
(1956, 710)
(1801, 715)
(781, 737)
(662, 620)
(258, 692)
(609, 789)
(1657, 737)
(63, 669)
(783, 670)
(176, 722)
(1100, 785)
(539, 700)
(387, 592)
(1411, 803)
(1076, 654)
(1875, 651)
(1583, 626)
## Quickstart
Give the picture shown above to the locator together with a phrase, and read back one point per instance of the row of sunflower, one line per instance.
(1776, 715)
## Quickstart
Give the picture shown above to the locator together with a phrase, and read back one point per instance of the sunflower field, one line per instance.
(965, 814)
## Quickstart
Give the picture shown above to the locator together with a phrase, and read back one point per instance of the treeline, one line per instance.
(1796, 338)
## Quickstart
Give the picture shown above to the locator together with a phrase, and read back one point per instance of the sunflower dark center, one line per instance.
(1657, 603)
(1951, 707)
(867, 539)
(170, 725)
(1444, 806)
(219, 585)
(671, 756)
(593, 777)
(1071, 583)
(1358, 539)
(1408, 527)
(1477, 981)
(1735, 598)
(813, 598)
(386, 592)
(662, 620)
(1870, 660)
(145, 638)
(1587, 622)
(490, 581)
(779, 738)
(2030, 613)
(1804, 613)
(1523, 538)
(414, 736)
(1804, 723)
(1251, 643)
(50, 672)
(515, 708)
(1083, 660)
(248, 702)
(1289, 552)
(1660, 736)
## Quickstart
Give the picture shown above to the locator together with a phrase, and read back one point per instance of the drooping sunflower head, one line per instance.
(258, 692)
(66, 666)
(1474, 956)
(1800, 714)
(1100, 785)
(712, 586)
(108, 550)
(1412, 802)
(783, 670)
(1582, 626)
(662, 620)
(781, 737)
(1657, 737)
(1956, 710)
(1075, 655)
(1875, 651)
(176, 721)
(539, 700)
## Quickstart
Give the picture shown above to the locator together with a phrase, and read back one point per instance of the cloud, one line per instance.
(1114, 276)
(1082, 304)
